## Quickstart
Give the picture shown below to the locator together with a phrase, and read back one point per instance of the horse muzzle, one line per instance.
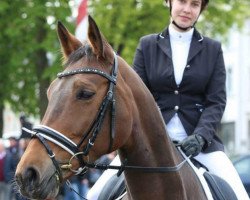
(31, 185)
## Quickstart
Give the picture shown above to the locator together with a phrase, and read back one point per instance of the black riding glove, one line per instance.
(193, 145)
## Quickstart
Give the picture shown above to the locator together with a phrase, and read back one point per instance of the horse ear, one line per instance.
(101, 47)
(95, 38)
(69, 42)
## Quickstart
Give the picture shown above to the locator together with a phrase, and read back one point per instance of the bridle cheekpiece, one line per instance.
(44, 133)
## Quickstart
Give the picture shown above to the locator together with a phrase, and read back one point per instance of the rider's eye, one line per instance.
(84, 94)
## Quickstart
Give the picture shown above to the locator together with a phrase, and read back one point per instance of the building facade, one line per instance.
(235, 128)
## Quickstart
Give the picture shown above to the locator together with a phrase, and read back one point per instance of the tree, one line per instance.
(27, 39)
(222, 15)
(124, 22)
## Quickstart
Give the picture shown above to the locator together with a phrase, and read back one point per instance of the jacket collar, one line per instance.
(195, 46)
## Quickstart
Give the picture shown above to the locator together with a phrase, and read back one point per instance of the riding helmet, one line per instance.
(203, 5)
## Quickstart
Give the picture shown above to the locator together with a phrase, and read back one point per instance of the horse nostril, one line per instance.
(31, 175)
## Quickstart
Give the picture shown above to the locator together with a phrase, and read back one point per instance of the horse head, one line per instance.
(88, 115)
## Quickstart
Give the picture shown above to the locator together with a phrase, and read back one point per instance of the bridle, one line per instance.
(44, 133)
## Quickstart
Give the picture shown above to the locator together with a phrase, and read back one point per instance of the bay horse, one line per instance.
(97, 105)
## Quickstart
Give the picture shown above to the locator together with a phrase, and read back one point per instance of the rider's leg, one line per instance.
(219, 164)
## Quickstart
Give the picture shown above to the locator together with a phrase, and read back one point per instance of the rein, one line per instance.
(124, 166)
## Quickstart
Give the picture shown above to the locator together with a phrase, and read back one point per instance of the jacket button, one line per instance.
(188, 66)
(176, 108)
(176, 92)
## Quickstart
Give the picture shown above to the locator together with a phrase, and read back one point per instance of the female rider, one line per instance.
(185, 72)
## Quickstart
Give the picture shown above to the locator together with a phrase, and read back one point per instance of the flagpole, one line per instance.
(82, 21)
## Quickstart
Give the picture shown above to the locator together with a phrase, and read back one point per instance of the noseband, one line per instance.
(44, 133)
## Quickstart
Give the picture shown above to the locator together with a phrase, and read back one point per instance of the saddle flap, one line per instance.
(219, 188)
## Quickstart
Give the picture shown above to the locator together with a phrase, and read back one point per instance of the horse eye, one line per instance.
(83, 94)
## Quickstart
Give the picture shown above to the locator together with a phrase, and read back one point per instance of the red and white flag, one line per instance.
(82, 21)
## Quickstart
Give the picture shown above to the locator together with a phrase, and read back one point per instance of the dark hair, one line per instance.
(204, 4)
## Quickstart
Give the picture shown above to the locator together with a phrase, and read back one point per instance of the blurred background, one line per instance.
(30, 55)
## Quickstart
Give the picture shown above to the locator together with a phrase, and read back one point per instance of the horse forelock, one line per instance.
(86, 51)
(83, 51)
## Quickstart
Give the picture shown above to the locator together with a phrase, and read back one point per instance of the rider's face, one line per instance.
(185, 12)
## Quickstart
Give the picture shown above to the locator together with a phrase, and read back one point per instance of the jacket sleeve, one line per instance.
(215, 101)
(139, 62)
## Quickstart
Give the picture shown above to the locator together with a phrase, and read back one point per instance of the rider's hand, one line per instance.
(193, 145)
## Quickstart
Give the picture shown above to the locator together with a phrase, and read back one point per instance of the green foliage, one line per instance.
(27, 31)
(124, 22)
(222, 15)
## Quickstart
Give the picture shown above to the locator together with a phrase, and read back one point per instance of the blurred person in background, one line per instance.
(73, 192)
(3, 185)
(11, 160)
(23, 143)
(10, 164)
(107, 159)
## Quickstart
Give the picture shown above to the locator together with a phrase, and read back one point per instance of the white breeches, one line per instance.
(219, 164)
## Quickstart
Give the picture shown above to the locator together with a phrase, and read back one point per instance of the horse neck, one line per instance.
(150, 146)
(149, 137)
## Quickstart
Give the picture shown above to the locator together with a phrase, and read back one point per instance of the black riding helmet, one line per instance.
(203, 4)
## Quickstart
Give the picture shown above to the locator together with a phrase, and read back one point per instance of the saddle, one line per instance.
(220, 189)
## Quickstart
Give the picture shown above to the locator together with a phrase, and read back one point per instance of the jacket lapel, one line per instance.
(195, 46)
(164, 43)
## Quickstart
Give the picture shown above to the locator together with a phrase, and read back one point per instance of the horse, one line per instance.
(98, 105)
